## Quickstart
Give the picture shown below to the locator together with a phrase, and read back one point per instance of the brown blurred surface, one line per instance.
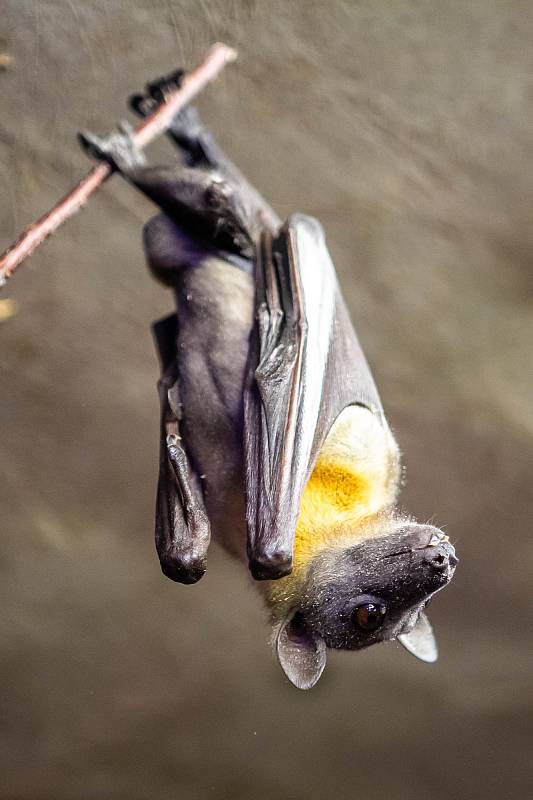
(407, 128)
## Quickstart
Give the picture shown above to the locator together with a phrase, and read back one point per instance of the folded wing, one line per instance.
(306, 366)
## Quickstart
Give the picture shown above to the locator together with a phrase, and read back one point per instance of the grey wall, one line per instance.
(407, 128)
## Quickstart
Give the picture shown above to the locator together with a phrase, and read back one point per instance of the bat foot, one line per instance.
(185, 128)
(118, 149)
(270, 565)
(165, 85)
(158, 92)
(182, 568)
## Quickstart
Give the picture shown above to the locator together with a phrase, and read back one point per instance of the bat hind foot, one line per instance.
(157, 92)
(165, 85)
(186, 128)
(118, 148)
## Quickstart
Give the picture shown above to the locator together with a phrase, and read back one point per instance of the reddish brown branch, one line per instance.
(151, 127)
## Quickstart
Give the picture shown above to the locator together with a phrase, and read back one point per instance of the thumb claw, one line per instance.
(126, 127)
(90, 143)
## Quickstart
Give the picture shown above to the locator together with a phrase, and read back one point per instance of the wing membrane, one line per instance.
(182, 529)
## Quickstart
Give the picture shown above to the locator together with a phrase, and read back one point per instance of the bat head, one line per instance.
(373, 591)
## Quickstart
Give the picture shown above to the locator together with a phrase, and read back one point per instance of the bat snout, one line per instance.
(441, 557)
(432, 556)
(418, 558)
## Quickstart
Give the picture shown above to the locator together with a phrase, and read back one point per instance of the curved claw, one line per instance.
(92, 144)
(165, 85)
(141, 105)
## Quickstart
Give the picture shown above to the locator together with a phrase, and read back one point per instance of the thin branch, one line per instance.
(151, 127)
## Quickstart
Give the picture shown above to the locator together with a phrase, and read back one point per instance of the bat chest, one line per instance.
(355, 477)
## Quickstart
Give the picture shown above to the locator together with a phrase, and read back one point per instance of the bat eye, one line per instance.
(369, 616)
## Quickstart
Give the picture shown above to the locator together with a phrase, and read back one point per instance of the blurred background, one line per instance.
(407, 128)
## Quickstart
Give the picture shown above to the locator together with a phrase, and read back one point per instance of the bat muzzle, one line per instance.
(432, 556)
(441, 558)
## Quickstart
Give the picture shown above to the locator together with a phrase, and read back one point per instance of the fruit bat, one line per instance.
(273, 435)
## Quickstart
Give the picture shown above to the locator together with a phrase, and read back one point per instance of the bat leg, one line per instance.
(199, 149)
(204, 204)
(182, 530)
(196, 143)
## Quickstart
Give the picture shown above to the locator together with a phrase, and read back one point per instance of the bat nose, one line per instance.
(441, 556)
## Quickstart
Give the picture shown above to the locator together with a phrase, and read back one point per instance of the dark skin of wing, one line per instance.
(290, 400)
(307, 366)
(182, 526)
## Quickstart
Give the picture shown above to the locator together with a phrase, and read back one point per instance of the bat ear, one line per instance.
(421, 640)
(301, 652)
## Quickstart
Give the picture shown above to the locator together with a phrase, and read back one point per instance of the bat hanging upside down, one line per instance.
(273, 435)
